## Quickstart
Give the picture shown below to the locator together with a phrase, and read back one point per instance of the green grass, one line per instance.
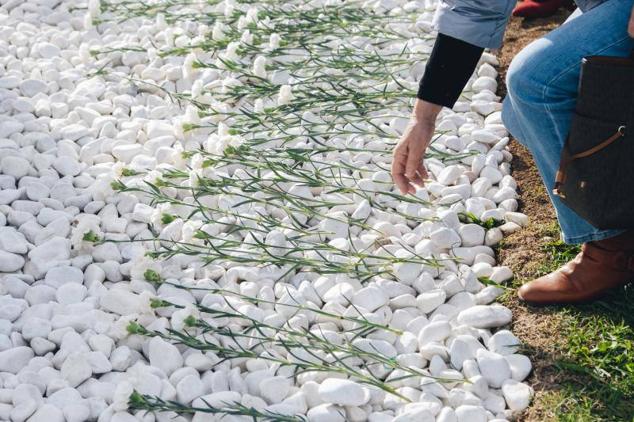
(597, 362)
(594, 358)
(559, 253)
(569, 404)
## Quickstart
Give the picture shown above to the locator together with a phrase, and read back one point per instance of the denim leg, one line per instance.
(542, 89)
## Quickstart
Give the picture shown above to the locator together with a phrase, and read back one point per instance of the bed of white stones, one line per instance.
(197, 220)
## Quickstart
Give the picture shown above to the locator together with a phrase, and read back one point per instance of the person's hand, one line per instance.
(407, 163)
(630, 26)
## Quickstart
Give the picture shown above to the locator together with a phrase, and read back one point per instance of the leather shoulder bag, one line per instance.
(596, 171)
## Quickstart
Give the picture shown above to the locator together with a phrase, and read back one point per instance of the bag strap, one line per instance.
(566, 158)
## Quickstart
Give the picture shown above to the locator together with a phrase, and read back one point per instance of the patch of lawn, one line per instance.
(598, 357)
(559, 253)
(594, 356)
(567, 404)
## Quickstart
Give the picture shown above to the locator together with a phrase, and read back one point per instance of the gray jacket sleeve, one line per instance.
(478, 22)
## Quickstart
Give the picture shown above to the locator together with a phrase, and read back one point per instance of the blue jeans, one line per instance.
(542, 90)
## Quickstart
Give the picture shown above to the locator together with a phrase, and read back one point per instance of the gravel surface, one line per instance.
(197, 219)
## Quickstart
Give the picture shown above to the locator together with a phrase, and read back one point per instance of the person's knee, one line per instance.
(525, 76)
(519, 80)
(510, 120)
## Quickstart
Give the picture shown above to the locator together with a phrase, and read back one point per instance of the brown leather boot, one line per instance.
(601, 265)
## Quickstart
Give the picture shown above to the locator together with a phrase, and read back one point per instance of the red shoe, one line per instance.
(538, 9)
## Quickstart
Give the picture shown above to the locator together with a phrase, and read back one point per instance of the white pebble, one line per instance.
(343, 392)
(13, 360)
(17, 167)
(370, 298)
(517, 395)
(10, 262)
(494, 368)
(164, 355)
(520, 366)
(483, 316)
(274, 389)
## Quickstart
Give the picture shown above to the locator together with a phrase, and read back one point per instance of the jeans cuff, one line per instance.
(590, 237)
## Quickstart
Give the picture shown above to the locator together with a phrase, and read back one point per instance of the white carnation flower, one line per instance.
(161, 24)
(258, 105)
(141, 265)
(259, 67)
(94, 8)
(189, 230)
(197, 88)
(146, 299)
(119, 329)
(178, 317)
(286, 95)
(231, 51)
(189, 71)
(121, 396)
(212, 142)
(229, 8)
(86, 232)
(274, 41)
(247, 37)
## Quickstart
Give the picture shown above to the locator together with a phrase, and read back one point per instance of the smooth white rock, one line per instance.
(66, 166)
(447, 414)
(17, 167)
(77, 412)
(485, 316)
(164, 355)
(36, 327)
(13, 360)
(472, 235)
(430, 300)
(326, 413)
(275, 389)
(370, 298)
(516, 217)
(433, 332)
(219, 399)
(76, 369)
(47, 413)
(503, 342)
(121, 302)
(10, 262)
(520, 366)
(445, 238)
(449, 174)
(493, 367)
(517, 395)
(70, 293)
(13, 241)
(470, 413)
(58, 276)
(30, 87)
(189, 388)
(343, 392)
